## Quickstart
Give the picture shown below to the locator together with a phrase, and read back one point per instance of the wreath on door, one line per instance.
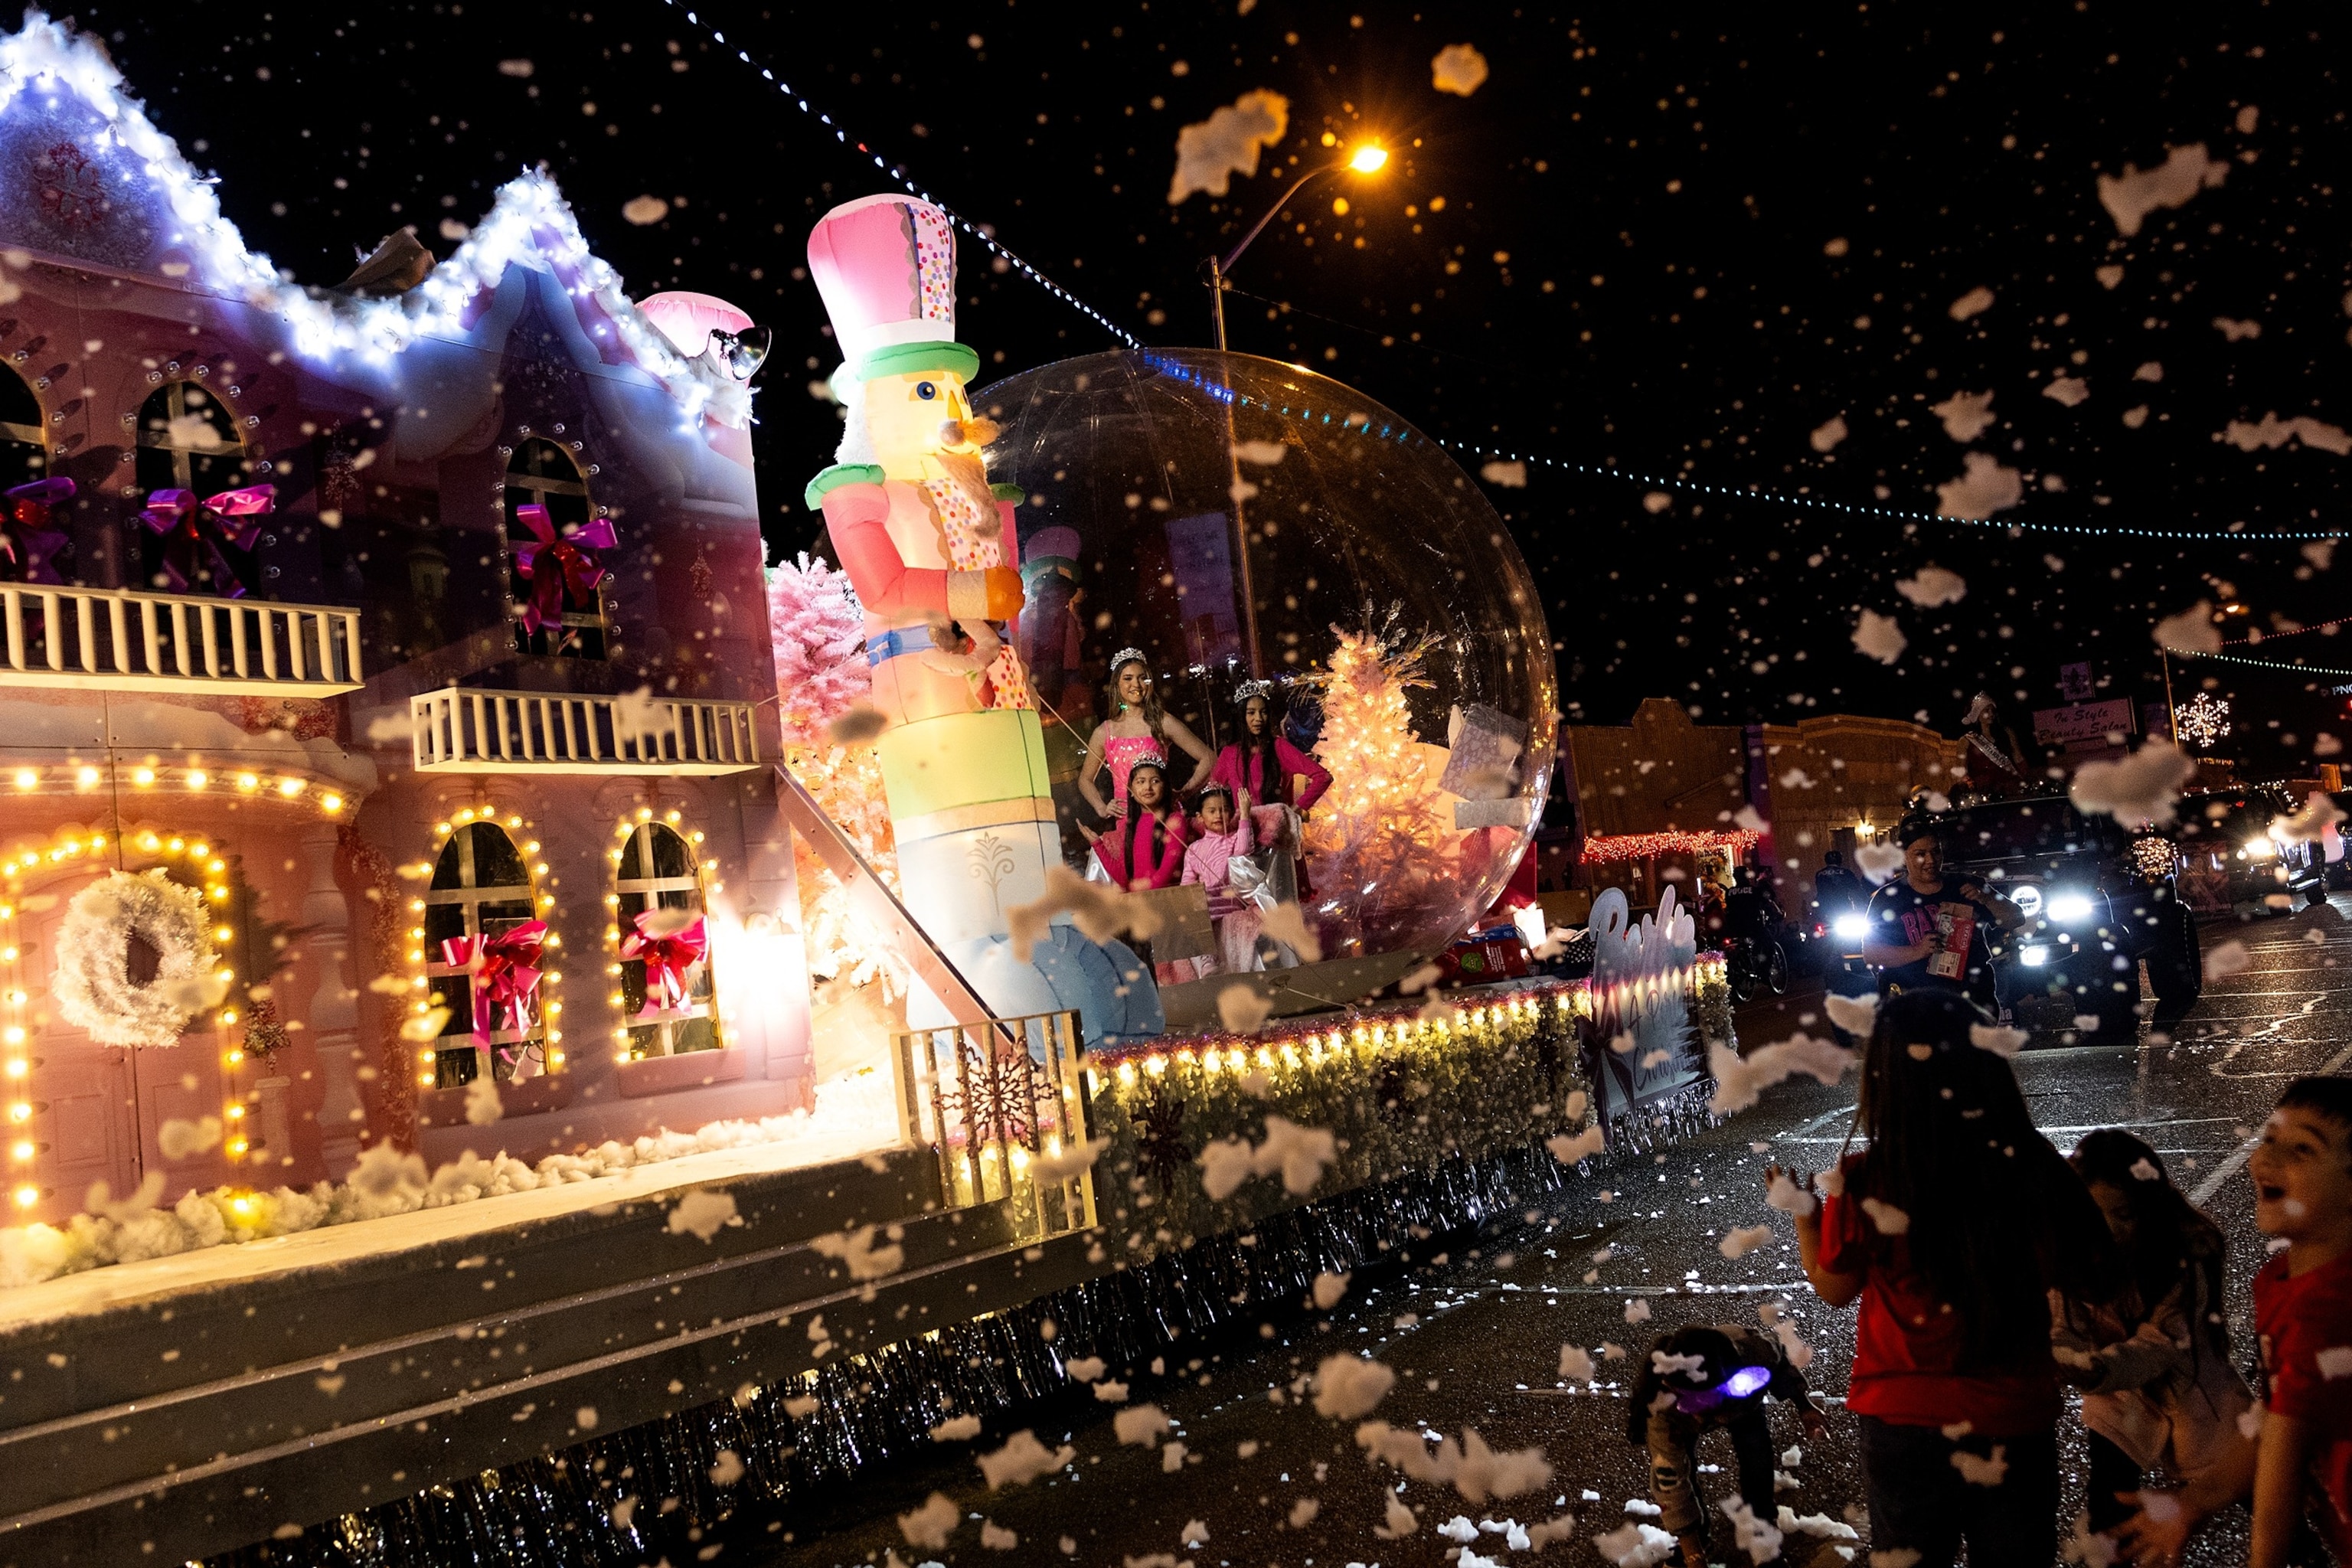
(93, 984)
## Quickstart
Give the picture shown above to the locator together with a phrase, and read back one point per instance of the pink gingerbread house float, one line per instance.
(414, 627)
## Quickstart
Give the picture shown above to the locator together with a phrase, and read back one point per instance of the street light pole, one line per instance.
(1365, 160)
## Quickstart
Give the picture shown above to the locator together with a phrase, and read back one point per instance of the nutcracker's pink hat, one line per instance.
(886, 267)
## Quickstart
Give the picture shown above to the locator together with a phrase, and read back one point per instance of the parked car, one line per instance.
(2099, 903)
(2231, 864)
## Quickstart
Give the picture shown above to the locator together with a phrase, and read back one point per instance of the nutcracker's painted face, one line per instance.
(907, 416)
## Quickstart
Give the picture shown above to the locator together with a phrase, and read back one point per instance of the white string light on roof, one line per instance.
(900, 174)
(530, 225)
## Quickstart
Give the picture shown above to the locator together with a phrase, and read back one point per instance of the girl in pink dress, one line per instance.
(1137, 725)
(1226, 835)
(1265, 767)
(1145, 848)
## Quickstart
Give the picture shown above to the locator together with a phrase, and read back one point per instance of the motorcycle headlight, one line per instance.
(2259, 849)
(2066, 909)
(1850, 928)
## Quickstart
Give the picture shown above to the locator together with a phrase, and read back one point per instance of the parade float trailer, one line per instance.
(417, 1140)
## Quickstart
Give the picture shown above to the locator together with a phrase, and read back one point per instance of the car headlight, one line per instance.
(2066, 909)
(2028, 899)
(2034, 956)
(2259, 849)
(1850, 928)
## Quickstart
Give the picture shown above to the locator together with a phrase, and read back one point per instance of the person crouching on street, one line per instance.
(1951, 1226)
(1701, 1379)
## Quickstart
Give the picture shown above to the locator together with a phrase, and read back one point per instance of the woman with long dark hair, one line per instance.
(2154, 1364)
(1138, 726)
(1266, 767)
(1951, 1226)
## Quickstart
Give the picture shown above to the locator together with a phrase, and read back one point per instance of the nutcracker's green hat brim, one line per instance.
(906, 359)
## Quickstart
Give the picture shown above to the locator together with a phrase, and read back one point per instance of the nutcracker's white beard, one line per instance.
(857, 440)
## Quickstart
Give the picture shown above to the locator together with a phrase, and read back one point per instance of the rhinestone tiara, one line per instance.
(1126, 656)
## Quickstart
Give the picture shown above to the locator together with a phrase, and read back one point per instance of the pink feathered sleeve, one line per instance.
(1318, 777)
(857, 516)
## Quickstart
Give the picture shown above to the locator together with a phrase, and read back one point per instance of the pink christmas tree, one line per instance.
(818, 632)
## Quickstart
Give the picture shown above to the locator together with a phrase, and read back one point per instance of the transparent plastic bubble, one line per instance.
(1234, 517)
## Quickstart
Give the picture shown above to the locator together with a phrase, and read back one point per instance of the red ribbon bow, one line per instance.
(667, 958)
(573, 580)
(190, 526)
(508, 970)
(28, 513)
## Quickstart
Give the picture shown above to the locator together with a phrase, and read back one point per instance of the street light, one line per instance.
(1369, 159)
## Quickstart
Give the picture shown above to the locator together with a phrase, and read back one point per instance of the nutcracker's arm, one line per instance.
(857, 515)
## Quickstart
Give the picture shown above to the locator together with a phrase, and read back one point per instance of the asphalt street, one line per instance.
(1473, 1332)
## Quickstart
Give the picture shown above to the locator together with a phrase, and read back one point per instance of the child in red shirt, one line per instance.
(1951, 1227)
(2295, 1459)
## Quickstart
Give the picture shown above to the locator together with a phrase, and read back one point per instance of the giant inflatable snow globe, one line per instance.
(1272, 547)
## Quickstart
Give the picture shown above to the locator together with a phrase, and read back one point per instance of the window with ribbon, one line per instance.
(485, 950)
(557, 543)
(202, 517)
(666, 993)
(35, 546)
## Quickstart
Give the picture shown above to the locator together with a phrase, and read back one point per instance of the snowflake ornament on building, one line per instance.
(2203, 720)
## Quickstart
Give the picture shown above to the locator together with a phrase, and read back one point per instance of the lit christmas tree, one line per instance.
(818, 631)
(1376, 840)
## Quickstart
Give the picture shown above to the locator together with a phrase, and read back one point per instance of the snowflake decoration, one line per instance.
(2203, 720)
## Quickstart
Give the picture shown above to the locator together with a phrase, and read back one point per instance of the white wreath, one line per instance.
(92, 986)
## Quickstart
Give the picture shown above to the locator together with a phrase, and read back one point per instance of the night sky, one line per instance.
(1676, 252)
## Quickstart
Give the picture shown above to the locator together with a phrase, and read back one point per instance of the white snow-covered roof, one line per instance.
(197, 246)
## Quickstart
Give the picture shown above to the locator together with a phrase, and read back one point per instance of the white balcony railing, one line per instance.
(122, 640)
(461, 730)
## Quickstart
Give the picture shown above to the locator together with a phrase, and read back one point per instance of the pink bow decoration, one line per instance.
(190, 526)
(668, 956)
(572, 578)
(26, 513)
(506, 966)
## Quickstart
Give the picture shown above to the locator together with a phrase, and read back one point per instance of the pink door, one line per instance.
(86, 1114)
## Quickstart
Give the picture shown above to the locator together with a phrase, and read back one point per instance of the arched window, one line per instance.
(657, 871)
(23, 458)
(188, 441)
(480, 887)
(542, 473)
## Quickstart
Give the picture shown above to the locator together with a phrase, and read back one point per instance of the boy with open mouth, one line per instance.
(2294, 1453)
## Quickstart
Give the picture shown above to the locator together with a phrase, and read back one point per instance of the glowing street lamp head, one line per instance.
(1369, 159)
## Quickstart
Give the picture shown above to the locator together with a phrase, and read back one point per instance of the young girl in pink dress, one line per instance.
(1226, 834)
(1267, 768)
(1137, 727)
(1145, 848)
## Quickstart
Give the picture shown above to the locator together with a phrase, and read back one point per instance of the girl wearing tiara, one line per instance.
(1226, 838)
(1138, 726)
(1264, 767)
(1145, 848)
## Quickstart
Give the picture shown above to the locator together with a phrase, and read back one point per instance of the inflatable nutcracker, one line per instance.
(932, 550)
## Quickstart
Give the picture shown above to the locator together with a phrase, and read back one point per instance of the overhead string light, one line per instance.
(1656, 482)
(899, 173)
(2257, 663)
